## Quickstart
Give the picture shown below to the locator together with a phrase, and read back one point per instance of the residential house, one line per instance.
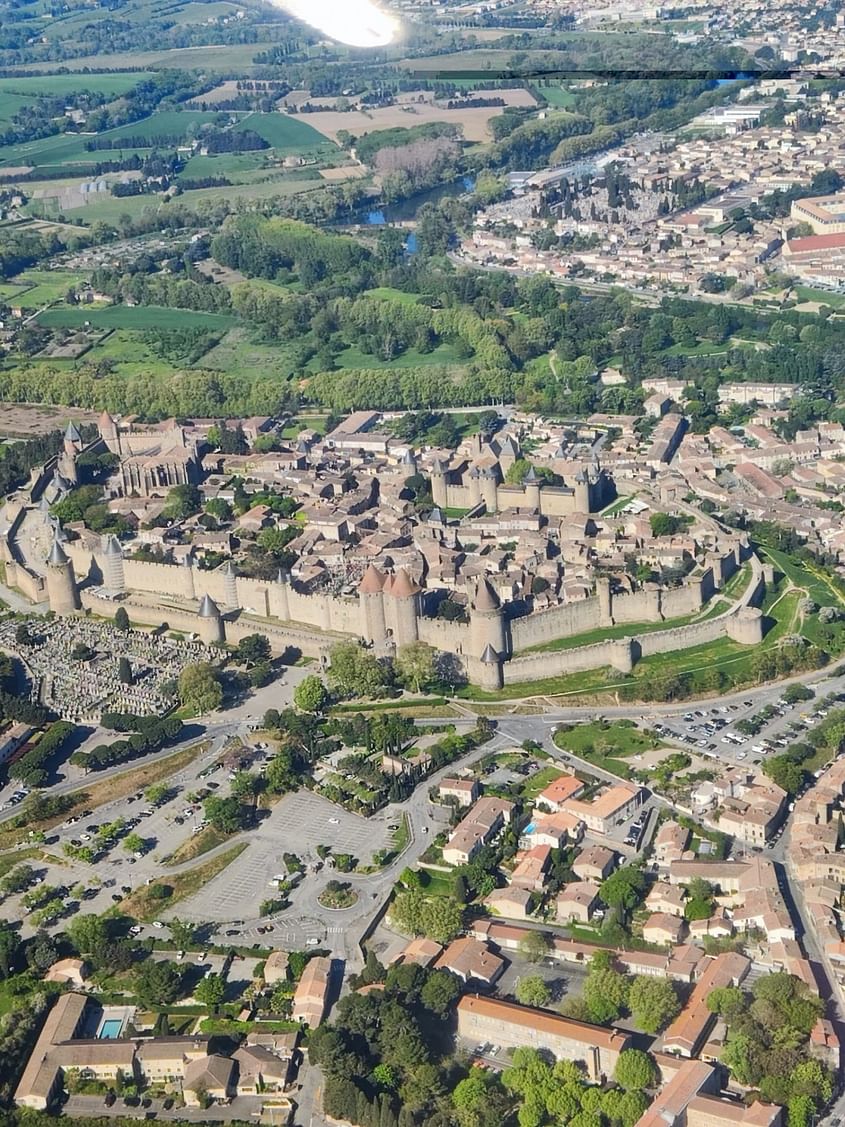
(471, 961)
(594, 863)
(577, 901)
(311, 994)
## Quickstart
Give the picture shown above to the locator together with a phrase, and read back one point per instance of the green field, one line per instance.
(223, 164)
(285, 133)
(444, 354)
(39, 287)
(49, 84)
(111, 208)
(133, 317)
(11, 104)
(224, 59)
(557, 96)
(387, 293)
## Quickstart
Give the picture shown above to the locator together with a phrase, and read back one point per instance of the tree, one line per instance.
(605, 990)
(124, 671)
(254, 648)
(534, 946)
(182, 501)
(442, 919)
(158, 983)
(415, 665)
(183, 933)
(635, 1070)
(440, 992)
(726, 1001)
(310, 695)
(10, 946)
(121, 620)
(624, 888)
(199, 687)
(245, 785)
(532, 991)
(87, 933)
(653, 1003)
(210, 990)
(356, 672)
(134, 843)
(157, 793)
(223, 814)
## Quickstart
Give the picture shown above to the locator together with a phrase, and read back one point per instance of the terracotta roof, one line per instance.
(372, 581)
(485, 597)
(545, 1022)
(402, 587)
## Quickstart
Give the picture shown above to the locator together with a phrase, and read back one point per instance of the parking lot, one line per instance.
(298, 824)
(715, 731)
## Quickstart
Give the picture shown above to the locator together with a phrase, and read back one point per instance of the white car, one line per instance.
(158, 924)
(334, 821)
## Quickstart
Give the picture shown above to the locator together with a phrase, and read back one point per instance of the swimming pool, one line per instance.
(529, 829)
(111, 1028)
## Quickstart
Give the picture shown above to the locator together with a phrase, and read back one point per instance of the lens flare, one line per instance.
(358, 23)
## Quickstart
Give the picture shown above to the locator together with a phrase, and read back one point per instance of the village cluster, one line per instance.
(660, 244)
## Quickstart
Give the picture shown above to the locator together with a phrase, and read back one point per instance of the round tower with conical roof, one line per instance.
(401, 605)
(62, 591)
(486, 620)
(532, 489)
(439, 492)
(113, 573)
(371, 600)
(490, 671)
(211, 629)
(108, 432)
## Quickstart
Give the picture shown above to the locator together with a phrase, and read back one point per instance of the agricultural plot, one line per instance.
(224, 59)
(475, 122)
(132, 317)
(113, 85)
(40, 287)
(288, 135)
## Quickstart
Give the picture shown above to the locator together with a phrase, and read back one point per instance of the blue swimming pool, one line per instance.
(111, 1028)
(529, 829)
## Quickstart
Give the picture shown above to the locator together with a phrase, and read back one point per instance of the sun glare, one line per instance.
(358, 23)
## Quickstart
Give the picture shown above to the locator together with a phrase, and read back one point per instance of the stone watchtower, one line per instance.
(62, 591)
(486, 621)
(532, 489)
(489, 489)
(211, 629)
(438, 484)
(71, 447)
(582, 492)
(371, 599)
(401, 607)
